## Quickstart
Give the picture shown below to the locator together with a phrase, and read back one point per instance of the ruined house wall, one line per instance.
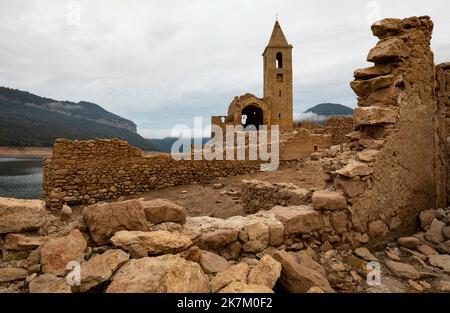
(395, 163)
(338, 127)
(302, 143)
(90, 171)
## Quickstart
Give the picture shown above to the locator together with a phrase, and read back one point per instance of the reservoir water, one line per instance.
(21, 178)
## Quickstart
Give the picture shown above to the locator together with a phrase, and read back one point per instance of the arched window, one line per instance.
(279, 60)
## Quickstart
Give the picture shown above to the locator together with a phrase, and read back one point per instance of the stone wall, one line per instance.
(338, 127)
(81, 172)
(389, 176)
(301, 143)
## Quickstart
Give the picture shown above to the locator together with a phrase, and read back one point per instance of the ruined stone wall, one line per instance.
(338, 127)
(302, 142)
(390, 177)
(90, 171)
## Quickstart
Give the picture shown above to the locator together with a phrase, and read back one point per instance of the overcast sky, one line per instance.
(160, 63)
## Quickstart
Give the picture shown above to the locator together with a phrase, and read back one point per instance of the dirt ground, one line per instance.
(204, 199)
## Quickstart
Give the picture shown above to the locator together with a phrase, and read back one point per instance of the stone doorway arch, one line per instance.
(252, 117)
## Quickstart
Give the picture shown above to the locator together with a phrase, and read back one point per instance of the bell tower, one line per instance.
(278, 78)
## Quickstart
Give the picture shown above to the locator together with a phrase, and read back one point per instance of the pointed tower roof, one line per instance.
(277, 39)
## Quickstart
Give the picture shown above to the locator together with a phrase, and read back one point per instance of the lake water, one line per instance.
(21, 178)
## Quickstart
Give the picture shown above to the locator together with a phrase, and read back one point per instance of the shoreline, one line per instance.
(25, 152)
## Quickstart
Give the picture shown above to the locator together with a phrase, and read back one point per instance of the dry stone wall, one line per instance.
(338, 127)
(85, 172)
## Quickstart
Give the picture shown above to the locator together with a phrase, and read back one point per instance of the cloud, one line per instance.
(160, 63)
(309, 116)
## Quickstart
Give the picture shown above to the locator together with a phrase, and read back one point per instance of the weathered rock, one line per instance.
(12, 273)
(19, 242)
(162, 210)
(166, 273)
(339, 220)
(408, 242)
(446, 232)
(375, 115)
(367, 155)
(441, 284)
(298, 219)
(378, 229)
(137, 251)
(105, 219)
(302, 257)
(381, 98)
(365, 254)
(192, 254)
(328, 200)
(426, 250)
(355, 168)
(212, 263)
(20, 215)
(315, 290)
(59, 251)
(239, 287)
(266, 272)
(364, 87)
(402, 270)
(213, 240)
(100, 268)
(426, 217)
(434, 234)
(296, 277)
(66, 213)
(387, 26)
(351, 188)
(444, 247)
(255, 237)
(155, 242)
(388, 50)
(371, 72)
(441, 260)
(236, 273)
(49, 283)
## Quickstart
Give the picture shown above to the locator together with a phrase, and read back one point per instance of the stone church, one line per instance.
(275, 108)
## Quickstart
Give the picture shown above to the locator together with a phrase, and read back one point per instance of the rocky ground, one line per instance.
(155, 246)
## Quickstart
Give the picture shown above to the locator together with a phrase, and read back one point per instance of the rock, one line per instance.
(434, 234)
(363, 88)
(339, 221)
(402, 270)
(66, 213)
(255, 237)
(315, 290)
(215, 239)
(163, 274)
(367, 155)
(218, 186)
(389, 50)
(300, 219)
(371, 72)
(19, 242)
(100, 268)
(441, 284)
(355, 168)
(231, 251)
(59, 251)
(162, 210)
(296, 277)
(137, 251)
(388, 285)
(446, 232)
(155, 242)
(442, 261)
(212, 263)
(20, 215)
(365, 254)
(378, 229)
(192, 254)
(328, 200)
(381, 98)
(408, 242)
(104, 219)
(266, 272)
(426, 218)
(302, 257)
(444, 247)
(338, 267)
(415, 285)
(236, 273)
(427, 250)
(239, 287)
(8, 274)
(350, 188)
(386, 27)
(375, 115)
(49, 283)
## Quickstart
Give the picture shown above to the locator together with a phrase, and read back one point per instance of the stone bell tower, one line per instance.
(278, 78)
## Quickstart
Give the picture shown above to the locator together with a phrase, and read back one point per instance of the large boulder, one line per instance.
(300, 219)
(162, 210)
(100, 268)
(266, 272)
(328, 200)
(104, 219)
(59, 251)
(153, 243)
(18, 215)
(165, 274)
(296, 277)
(49, 283)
